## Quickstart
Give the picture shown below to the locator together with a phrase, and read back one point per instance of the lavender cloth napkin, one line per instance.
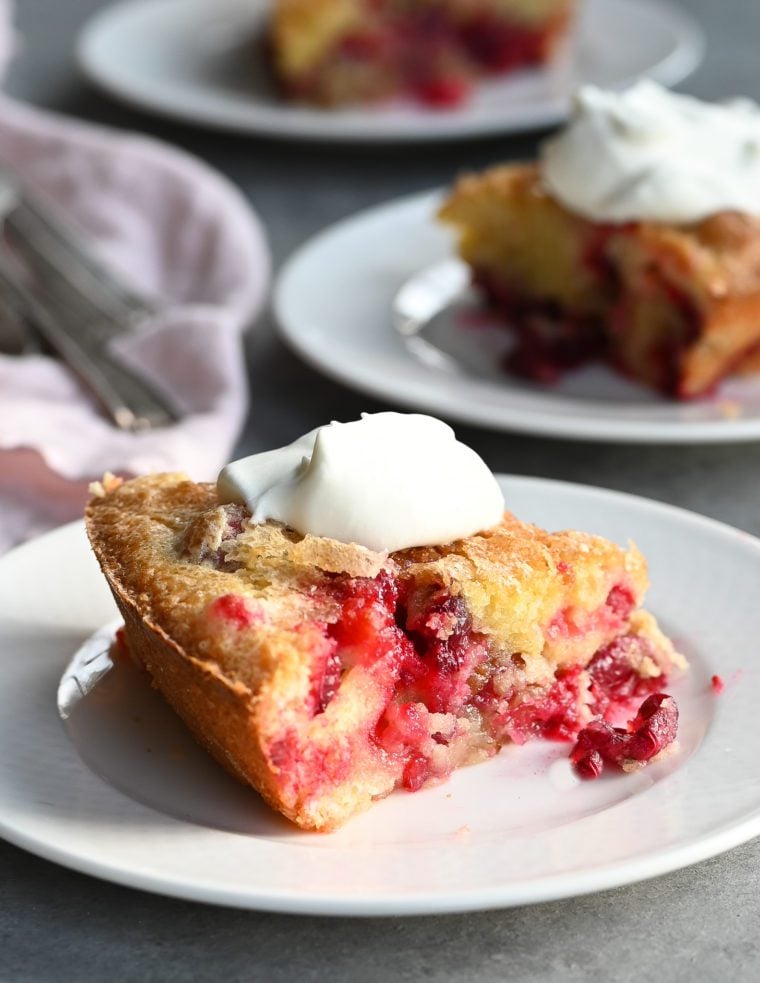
(172, 227)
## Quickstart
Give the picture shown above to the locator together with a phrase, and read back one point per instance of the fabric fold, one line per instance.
(180, 233)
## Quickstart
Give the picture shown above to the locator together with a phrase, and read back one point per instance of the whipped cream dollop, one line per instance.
(647, 154)
(388, 481)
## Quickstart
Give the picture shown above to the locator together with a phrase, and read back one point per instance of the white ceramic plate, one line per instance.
(516, 829)
(194, 60)
(335, 301)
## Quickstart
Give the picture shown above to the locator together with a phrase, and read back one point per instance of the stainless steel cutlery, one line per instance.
(55, 293)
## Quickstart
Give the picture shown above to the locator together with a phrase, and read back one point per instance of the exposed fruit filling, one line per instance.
(644, 326)
(431, 693)
(549, 340)
(325, 673)
(651, 731)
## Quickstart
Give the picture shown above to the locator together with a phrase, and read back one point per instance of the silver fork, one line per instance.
(77, 306)
(129, 402)
(57, 252)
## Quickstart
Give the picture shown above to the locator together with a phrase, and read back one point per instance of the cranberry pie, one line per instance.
(332, 52)
(636, 240)
(326, 675)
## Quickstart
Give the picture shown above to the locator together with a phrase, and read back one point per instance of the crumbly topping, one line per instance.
(109, 483)
(274, 545)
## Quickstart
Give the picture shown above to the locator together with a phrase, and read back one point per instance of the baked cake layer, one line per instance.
(340, 51)
(326, 675)
(675, 307)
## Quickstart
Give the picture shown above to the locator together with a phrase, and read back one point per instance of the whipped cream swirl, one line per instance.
(647, 154)
(388, 481)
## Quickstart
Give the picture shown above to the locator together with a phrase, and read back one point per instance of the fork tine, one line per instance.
(95, 322)
(131, 402)
(64, 263)
(77, 305)
(54, 248)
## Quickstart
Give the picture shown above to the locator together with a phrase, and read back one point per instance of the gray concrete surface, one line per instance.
(699, 924)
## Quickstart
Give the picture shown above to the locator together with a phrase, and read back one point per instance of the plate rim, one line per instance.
(672, 69)
(547, 888)
(541, 422)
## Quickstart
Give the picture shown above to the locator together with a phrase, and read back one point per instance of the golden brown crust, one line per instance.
(130, 528)
(137, 532)
(220, 713)
(717, 256)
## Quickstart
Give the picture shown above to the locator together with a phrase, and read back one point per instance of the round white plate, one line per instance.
(516, 829)
(195, 60)
(335, 301)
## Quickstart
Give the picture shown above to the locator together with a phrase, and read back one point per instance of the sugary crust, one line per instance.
(160, 542)
(501, 215)
(716, 257)
(141, 533)
(515, 577)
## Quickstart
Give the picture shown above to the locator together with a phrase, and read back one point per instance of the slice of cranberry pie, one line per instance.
(629, 241)
(326, 674)
(332, 52)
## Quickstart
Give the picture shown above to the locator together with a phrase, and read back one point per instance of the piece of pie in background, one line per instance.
(337, 52)
(670, 297)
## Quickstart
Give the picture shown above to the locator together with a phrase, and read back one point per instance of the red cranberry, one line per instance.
(233, 608)
(653, 728)
(367, 610)
(590, 766)
(620, 601)
(614, 678)
(309, 768)
(498, 46)
(553, 716)
(327, 684)
(283, 753)
(612, 671)
(611, 668)
(364, 47)
(550, 342)
(444, 92)
(403, 725)
(717, 683)
(416, 772)
(441, 633)
(446, 650)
